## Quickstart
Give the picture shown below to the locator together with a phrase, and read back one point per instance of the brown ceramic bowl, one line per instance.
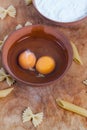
(42, 40)
(65, 24)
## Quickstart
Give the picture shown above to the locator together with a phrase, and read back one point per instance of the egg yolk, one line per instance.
(27, 59)
(45, 65)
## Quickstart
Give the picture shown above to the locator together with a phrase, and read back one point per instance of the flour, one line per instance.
(62, 10)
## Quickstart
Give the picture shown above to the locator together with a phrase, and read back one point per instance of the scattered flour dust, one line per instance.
(62, 10)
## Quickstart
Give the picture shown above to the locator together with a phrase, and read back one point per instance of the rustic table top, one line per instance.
(70, 88)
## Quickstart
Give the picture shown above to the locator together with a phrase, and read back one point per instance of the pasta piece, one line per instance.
(7, 77)
(27, 115)
(35, 118)
(18, 26)
(76, 56)
(11, 11)
(5, 92)
(2, 74)
(3, 13)
(71, 107)
(85, 82)
(27, 2)
(5, 38)
(28, 23)
(2, 42)
(10, 81)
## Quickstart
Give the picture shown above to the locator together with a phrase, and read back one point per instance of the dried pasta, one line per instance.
(28, 23)
(5, 92)
(27, 115)
(7, 77)
(18, 26)
(71, 107)
(11, 11)
(2, 42)
(85, 82)
(35, 118)
(27, 2)
(21, 26)
(76, 56)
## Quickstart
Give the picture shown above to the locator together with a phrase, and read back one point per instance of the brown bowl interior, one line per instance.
(64, 24)
(42, 40)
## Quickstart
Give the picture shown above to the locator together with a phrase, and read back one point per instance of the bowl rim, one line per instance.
(19, 32)
(65, 24)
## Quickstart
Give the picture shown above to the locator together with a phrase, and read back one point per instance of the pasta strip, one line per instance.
(71, 107)
(85, 82)
(2, 42)
(27, 2)
(5, 92)
(76, 56)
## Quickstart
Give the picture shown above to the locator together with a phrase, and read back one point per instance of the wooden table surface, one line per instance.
(70, 88)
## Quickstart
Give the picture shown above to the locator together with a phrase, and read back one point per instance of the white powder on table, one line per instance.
(62, 10)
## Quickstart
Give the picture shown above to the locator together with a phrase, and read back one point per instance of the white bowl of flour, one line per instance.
(62, 11)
